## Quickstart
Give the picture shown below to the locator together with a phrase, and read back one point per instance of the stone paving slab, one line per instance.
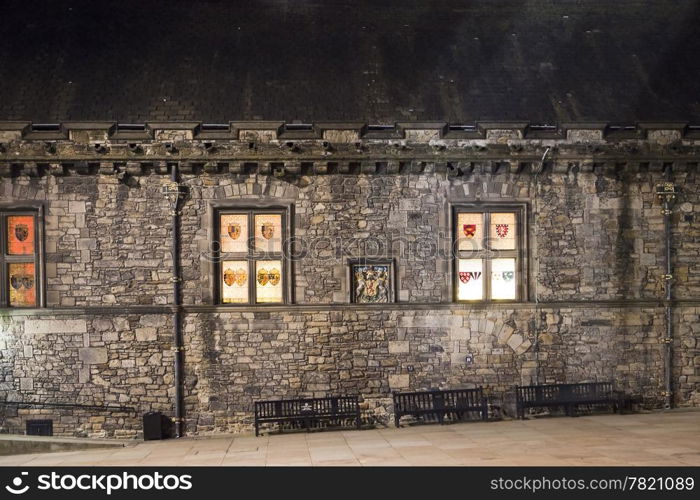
(657, 438)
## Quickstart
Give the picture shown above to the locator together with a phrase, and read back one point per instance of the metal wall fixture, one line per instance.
(667, 192)
(175, 193)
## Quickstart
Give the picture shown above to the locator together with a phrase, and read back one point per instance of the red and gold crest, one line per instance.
(234, 231)
(274, 277)
(240, 277)
(229, 277)
(263, 276)
(469, 230)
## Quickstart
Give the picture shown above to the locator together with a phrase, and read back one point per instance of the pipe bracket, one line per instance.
(666, 191)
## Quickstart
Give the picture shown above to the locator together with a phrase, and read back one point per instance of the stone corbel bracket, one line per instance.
(292, 149)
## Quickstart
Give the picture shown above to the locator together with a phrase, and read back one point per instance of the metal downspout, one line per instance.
(666, 192)
(538, 311)
(175, 195)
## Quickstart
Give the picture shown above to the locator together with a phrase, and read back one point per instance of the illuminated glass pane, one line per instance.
(234, 233)
(268, 280)
(470, 231)
(268, 233)
(20, 235)
(503, 279)
(234, 281)
(503, 231)
(371, 284)
(470, 282)
(22, 284)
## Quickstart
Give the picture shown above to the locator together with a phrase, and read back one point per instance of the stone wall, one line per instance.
(97, 256)
(233, 358)
(236, 358)
(596, 246)
(86, 359)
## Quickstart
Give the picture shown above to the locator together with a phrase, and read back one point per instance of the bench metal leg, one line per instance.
(619, 405)
(257, 429)
(397, 419)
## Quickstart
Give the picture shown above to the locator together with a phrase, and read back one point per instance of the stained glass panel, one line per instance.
(22, 284)
(471, 284)
(234, 233)
(268, 233)
(268, 280)
(503, 279)
(20, 235)
(503, 231)
(470, 231)
(234, 281)
(371, 284)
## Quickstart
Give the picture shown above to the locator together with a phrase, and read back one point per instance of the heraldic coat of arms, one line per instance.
(372, 284)
(234, 231)
(21, 232)
(469, 230)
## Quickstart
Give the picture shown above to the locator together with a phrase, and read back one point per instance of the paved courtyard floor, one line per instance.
(658, 438)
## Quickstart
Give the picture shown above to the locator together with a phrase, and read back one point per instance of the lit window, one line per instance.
(19, 259)
(251, 264)
(488, 264)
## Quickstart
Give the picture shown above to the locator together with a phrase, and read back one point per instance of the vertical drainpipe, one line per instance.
(667, 193)
(538, 311)
(175, 195)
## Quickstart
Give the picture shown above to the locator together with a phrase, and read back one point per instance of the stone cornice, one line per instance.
(283, 149)
(274, 130)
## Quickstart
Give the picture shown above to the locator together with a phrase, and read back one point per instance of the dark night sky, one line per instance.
(375, 61)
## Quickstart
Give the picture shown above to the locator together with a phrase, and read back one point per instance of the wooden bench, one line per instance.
(457, 403)
(334, 411)
(567, 396)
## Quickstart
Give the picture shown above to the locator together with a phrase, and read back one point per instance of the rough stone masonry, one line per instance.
(593, 306)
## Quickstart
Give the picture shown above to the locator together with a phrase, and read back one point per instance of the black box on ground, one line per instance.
(156, 426)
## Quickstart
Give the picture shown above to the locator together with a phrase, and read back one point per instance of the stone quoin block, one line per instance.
(444, 321)
(92, 355)
(398, 346)
(41, 326)
(399, 381)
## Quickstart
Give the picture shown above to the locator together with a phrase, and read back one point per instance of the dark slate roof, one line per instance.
(542, 61)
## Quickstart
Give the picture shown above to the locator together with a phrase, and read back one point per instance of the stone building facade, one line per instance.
(591, 303)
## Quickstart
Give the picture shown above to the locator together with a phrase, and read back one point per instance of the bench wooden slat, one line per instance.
(305, 411)
(567, 395)
(439, 404)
